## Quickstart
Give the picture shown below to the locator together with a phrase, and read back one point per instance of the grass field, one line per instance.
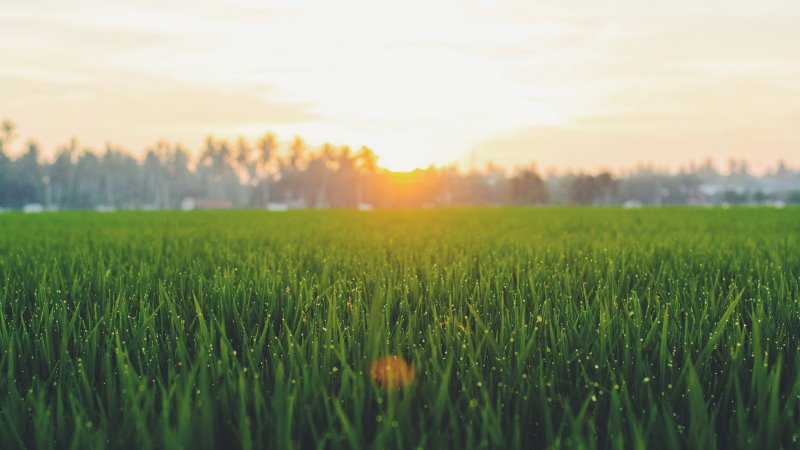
(526, 328)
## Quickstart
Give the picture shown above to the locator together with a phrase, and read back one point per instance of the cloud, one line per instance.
(424, 80)
(671, 125)
(139, 111)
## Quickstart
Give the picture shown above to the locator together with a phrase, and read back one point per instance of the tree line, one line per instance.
(266, 173)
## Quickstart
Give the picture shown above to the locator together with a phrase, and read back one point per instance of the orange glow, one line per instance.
(421, 83)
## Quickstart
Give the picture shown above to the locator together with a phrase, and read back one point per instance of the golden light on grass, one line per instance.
(391, 372)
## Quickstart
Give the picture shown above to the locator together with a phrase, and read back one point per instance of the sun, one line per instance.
(401, 166)
(406, 158)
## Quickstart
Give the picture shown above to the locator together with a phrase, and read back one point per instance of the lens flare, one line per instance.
(391, 372)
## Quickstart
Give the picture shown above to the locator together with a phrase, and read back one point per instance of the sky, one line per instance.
(565, 83)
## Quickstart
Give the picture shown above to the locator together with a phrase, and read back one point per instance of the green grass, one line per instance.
(528, 328)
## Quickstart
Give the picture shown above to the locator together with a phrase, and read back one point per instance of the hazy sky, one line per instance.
(565, 83)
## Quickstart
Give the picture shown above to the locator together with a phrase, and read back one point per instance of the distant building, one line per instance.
(278, 206)
(190, 204)
(33, 208)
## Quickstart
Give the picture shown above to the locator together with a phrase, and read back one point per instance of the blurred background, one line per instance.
(376, 103)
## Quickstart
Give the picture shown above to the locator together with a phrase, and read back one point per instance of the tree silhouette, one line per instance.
(528, 188)
(253, 175)
(267, 146)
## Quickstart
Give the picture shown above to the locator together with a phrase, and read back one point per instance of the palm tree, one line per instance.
(298, 150)
(8, 132)
(7, 129)
(266, 150)
(291, 169)
(326, 159)
(367, 165)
